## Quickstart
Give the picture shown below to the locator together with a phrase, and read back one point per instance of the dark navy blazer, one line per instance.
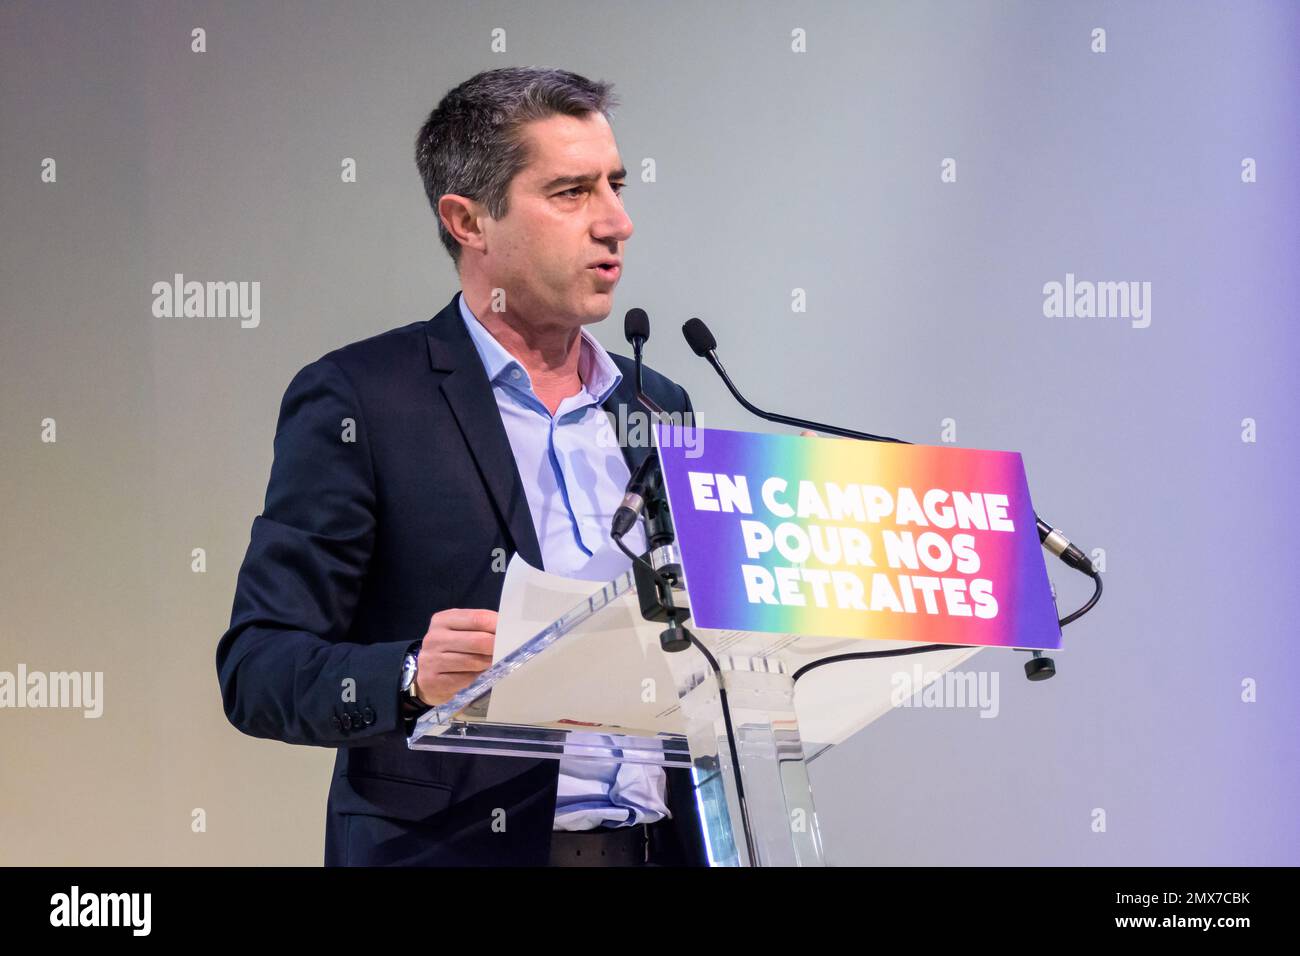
(359, 543)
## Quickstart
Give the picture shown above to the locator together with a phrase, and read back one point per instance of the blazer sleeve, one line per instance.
(286, 668)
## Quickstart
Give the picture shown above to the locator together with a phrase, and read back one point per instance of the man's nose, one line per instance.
(612, 220)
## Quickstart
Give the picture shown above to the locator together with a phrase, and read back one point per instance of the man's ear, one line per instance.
(462, 218)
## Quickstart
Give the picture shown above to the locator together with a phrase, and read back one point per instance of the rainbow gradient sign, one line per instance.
(840, 538)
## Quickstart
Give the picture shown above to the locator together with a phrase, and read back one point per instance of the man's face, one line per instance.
(564, 216)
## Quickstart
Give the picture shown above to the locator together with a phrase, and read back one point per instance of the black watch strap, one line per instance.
(412, 707)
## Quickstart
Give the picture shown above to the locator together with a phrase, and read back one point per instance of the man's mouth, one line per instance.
(607, 269)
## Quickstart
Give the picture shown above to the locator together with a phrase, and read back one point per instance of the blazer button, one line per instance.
(347, 721)
(337, 723)
(368, 715)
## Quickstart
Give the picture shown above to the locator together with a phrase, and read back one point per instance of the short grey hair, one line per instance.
(471, 145)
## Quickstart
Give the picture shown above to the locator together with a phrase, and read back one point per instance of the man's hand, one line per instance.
(456, 649)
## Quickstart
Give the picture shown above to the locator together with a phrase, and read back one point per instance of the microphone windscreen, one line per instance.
(636, 325)
(698, 337)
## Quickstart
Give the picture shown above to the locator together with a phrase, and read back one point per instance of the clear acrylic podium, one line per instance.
(595, 683)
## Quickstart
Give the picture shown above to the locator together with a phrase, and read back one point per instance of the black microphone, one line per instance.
(641, 487)
(636, 329)
(645, 493)
(703, 344)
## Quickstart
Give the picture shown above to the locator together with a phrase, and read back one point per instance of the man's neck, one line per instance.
(548, 352)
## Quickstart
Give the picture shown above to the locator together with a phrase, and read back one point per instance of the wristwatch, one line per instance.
(410, 665)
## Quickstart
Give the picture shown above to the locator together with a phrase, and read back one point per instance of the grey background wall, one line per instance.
(775, 170)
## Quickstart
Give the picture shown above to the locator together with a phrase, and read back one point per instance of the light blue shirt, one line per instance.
(574, 475)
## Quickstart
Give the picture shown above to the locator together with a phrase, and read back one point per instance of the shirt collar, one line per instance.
(600, 376)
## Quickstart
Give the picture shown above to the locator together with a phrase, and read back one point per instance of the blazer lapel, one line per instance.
(468, 392)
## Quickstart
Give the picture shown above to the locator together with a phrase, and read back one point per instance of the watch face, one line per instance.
(408, 671)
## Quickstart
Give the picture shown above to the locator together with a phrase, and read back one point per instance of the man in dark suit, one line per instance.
(407, 464)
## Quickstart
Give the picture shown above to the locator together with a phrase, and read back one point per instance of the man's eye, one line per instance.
(617, 187)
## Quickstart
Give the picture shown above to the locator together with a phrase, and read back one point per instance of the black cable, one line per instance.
(1096, 596)
(875, 655)
(926, 648)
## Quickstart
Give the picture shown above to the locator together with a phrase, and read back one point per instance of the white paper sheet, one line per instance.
(611, 671)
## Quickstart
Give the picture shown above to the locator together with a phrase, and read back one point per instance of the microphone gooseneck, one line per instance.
(703, 344)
